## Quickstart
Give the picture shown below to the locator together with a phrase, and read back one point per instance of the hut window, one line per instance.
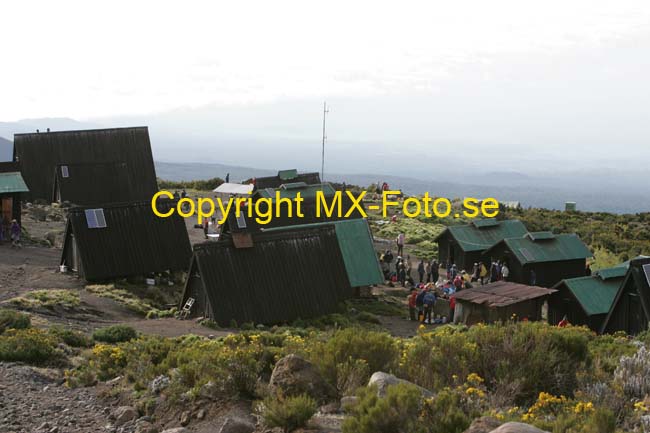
(646, 271)
(95, 218)
(241, 221)
(64, 171)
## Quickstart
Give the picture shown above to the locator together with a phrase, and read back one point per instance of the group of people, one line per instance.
(10, 232)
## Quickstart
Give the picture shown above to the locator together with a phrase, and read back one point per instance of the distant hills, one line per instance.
(6, 149)
(530, 191)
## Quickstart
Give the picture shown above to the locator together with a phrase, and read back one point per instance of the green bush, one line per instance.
(10, 319)
(115, 334)
(288, 413)
(444, 413)
(33, 346)
(71, 337)
(398, 411)
(377, 349)
(527, 358)
(201, 185)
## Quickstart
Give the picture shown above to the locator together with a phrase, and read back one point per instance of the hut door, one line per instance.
(75, 255)
(7, 209)
(636, 322)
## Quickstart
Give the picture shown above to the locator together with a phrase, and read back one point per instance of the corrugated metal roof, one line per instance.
(482, 234)
(593, 293)
(134, 241)
(285, 275)
(283, 176)
(94, 183)
(39, 154)
(355, 243)
(11, 183)
(561, 247)
(540, 236)
(288, 174)
(618, 271)
(305, 190)
(501, 294)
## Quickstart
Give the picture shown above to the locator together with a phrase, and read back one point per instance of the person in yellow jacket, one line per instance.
(483, 273)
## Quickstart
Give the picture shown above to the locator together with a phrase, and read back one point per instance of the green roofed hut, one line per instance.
(12, 187)
(285, 177)
(281, 274)
(464, 245)
(630, 311)
(542, 258)
(587, 300)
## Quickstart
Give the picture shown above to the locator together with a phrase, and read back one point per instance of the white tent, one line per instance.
(233, 189)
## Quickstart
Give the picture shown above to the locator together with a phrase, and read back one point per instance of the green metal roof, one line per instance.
(561, 247)
(288, 174)
(617, 271)
(355, 243)
(482, 234)
(12, 182)
(538, 236)
(306, 191)
(593, 293)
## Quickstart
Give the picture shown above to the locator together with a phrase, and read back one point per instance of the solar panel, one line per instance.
(241, 221)
(91, 219)
(64, 171)
(101, 220)
(524, 252)
(95, 218)
(646, 271)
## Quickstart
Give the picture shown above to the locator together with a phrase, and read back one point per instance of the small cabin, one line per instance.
(585, 301)
(285, 177)
(542, 258)
(464, 245)
(12, 188)
(124, 240)
(630, 311)
(501, 301)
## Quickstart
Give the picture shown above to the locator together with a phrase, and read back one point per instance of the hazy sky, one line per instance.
(85, 60)
(561, 77)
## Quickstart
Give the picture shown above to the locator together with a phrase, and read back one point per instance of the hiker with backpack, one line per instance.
(419, 301)
(429, 301)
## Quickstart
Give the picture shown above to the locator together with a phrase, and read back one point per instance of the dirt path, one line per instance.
(33, 400)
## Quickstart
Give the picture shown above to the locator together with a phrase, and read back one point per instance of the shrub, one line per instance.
(31, 345)
(288, 413)
(70, 337)
(10, 319)
(444, 413)
(529, 357)
(49, 298)
(377, 349)
(115, 334)
(398, 411)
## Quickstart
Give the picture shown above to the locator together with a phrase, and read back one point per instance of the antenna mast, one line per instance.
(322, 167)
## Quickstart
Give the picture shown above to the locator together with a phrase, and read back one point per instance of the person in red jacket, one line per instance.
(412, 307)
(564, 322)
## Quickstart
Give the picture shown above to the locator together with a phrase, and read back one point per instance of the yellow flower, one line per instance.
(474, 378)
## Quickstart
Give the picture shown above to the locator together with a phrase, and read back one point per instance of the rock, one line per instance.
(517, 427)
(159, 383)
(484, 424)
(236, 425)
(185, 418)
(145, 427)
(329, 408)
(124, 414)
(176, 430)
(383, 380)
(209, 391)
(294, 375)
(349, 402)
(200, 414)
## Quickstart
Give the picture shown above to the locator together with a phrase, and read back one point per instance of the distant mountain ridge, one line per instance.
(6, 149)
(543, 196)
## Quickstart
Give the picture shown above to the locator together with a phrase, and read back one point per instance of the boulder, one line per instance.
(517, 427)
(176, 430)
(159, 383)
(294, 375)
(124, 414)
(383, 380)
(236, 425)
(484, 424)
